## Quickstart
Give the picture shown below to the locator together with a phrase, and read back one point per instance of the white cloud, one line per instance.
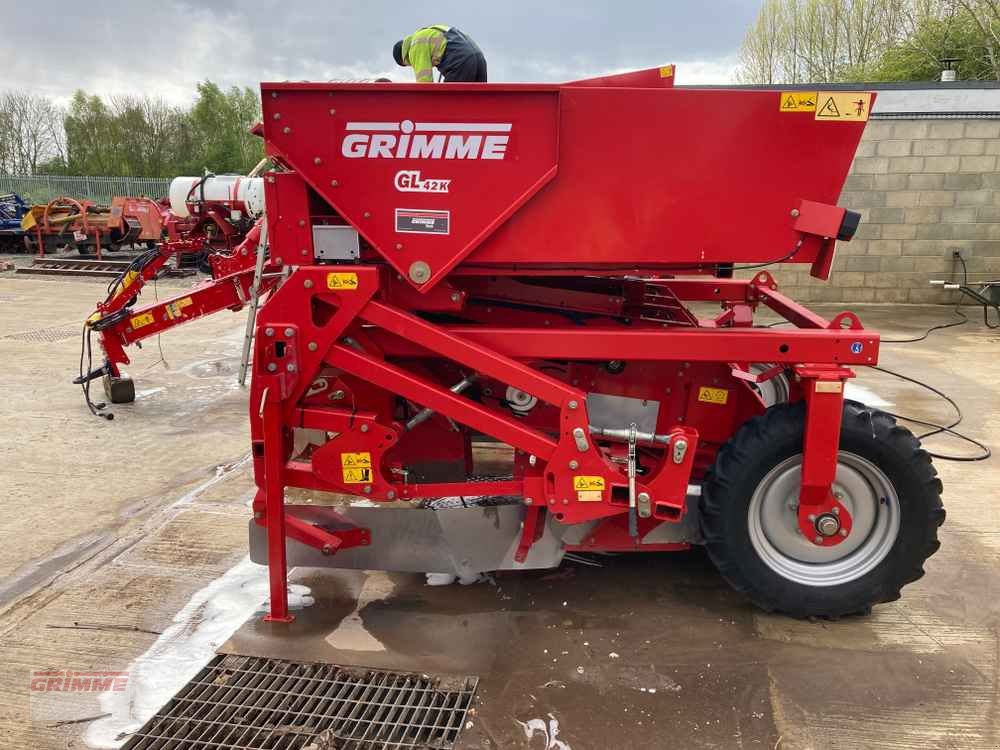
(164, 48)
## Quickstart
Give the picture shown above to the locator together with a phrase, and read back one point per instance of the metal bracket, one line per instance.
(823, 520)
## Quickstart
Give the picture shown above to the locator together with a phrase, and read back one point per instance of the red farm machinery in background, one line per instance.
(574, 272)
(90, 228)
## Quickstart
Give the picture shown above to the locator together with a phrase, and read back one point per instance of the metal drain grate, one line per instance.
(244, 703)
(46, 335)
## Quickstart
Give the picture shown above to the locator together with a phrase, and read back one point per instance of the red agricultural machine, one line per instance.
(572, 271)
(215, 219)
(82, 224)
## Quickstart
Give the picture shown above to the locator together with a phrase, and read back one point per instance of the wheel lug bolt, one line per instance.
(818, 540)
(812, 517)
(843, 532)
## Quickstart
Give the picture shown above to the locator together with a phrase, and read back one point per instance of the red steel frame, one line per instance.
(513, 294)
(293, 357)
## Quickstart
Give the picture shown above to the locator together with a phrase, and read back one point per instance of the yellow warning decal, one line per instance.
(713, 395)
(666, 71)
(357, 467)
(797, 101)
(356, 460)
(829, 386)
(588, 483)
(175, 309)
(843, 106)
(357, 476)
(139, 321)
(341, 281)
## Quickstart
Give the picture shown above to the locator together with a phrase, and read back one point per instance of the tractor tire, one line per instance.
(749, 517)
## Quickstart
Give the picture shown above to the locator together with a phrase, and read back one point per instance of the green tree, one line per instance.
(220, 125)
(807, 41)
(966, 30)
(144, 137)
(88, 129)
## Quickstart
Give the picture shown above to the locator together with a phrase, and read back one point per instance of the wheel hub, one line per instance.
(828, 524)
(865, 493)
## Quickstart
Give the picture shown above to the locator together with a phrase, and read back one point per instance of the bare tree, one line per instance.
(30, 132)
(986, 16)
(807, 41)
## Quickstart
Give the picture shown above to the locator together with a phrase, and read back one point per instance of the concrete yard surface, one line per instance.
(124, 546)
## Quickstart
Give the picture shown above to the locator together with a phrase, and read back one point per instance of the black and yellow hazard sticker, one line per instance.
(589, 489)
(797, 101)
(713, 395)
(138, 321)
(843, 106)
(588, 483)
(175, 310)
(357, 467)
(342, 281)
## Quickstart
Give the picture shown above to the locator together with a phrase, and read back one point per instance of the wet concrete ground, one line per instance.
(111, 527)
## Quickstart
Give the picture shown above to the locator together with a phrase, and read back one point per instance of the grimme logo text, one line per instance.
(76, 681)
(426, 140)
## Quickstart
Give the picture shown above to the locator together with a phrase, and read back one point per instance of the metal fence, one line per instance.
(43, 188)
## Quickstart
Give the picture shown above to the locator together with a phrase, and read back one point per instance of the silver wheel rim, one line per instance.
(868, 496)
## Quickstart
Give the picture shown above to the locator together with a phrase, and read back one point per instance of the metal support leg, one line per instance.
(531, 531)
(823, 520)
(274, 505)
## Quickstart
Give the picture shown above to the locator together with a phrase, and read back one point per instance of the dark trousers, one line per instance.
(472, 69)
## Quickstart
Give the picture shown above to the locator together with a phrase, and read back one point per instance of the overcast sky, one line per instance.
(163, 48)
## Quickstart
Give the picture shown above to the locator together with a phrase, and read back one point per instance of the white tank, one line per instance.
(245, 194)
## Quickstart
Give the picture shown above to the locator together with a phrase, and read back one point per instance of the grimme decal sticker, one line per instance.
(422, 221)
(426, 140)
(410, 181)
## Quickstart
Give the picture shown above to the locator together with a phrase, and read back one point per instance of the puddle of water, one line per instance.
(351, 634)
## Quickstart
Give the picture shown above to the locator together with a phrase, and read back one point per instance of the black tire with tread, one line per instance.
(761, 444)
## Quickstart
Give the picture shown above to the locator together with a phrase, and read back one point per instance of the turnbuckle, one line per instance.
(633, 518)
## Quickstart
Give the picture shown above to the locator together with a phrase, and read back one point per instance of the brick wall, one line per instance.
(924, 188)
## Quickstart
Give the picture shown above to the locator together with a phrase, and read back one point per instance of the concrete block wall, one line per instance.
(924, 188)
